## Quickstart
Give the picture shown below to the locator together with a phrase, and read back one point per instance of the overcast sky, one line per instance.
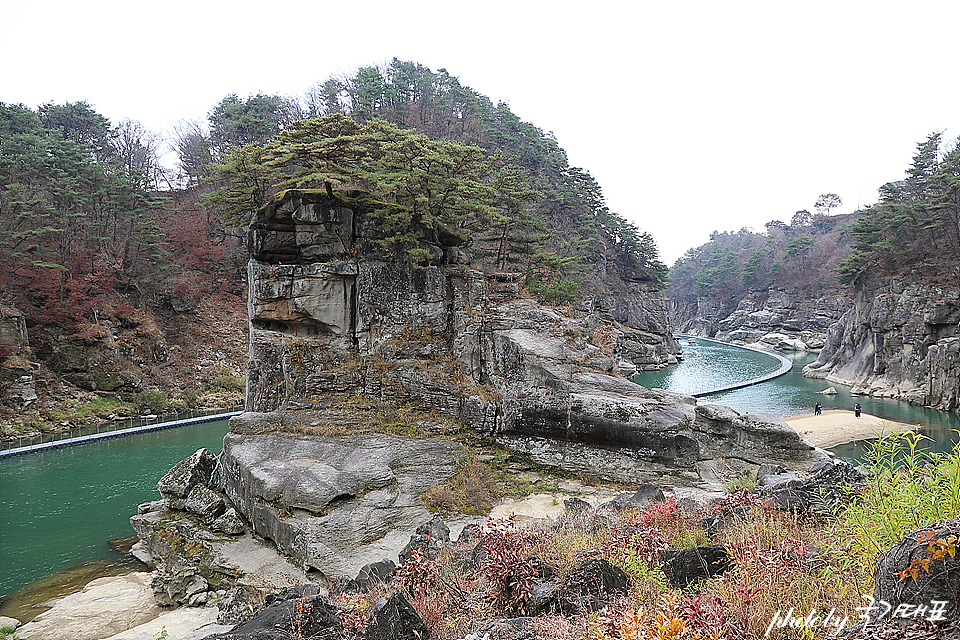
(693, 116)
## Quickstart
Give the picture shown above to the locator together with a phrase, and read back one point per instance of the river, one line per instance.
(59, 508)
(708, 364)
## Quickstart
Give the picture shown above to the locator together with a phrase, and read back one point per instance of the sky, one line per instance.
(692, 115)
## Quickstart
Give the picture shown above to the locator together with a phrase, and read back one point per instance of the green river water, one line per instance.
(708, 364)
(59, 508)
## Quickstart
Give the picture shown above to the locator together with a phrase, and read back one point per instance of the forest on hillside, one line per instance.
(913, 232)
(97, 236)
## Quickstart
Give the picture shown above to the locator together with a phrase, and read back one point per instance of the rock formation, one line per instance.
(898, 340)
(784, 318)
(336, 311)
(17, 383)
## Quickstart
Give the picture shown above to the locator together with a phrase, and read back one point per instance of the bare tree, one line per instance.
(826, 203)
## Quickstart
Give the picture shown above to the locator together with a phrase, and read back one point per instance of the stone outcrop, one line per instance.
(898, 340)
(336, 312)
(342, 322)
(335, 504)
(784, 318)
(900, 578)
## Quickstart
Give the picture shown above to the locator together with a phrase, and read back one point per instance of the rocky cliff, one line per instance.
(336, 312)
(785, 318)
(900, 340)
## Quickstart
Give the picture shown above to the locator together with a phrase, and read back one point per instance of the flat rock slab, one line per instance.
(105, 607)
(259, 565)
(182, 624)
(336, 503)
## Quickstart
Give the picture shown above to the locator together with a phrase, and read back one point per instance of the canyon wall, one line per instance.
(784, 318)
(899, 340)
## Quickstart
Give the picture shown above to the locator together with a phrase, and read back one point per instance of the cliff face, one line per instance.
(899, 340)
(785, 318)
(333, 310)
(335, 313)
(343, 325)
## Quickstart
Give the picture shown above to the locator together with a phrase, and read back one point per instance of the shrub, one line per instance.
(229, 382)
(150, 401)
(557, 292)
(907, 488)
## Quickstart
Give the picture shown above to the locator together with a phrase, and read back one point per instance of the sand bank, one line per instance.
(836, 427)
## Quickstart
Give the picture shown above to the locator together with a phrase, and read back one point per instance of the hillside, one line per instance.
(776, 286)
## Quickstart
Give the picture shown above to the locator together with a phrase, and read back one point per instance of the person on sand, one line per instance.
(818, 409)
(856, 410)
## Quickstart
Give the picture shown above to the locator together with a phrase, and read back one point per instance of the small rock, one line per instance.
(771, 483)
(395, 619)
(7, 622)
(645, 494)
(307, 616)
(154, 505)
(230, 523)
(436, 529)
(686, 566)
(576, 505)
(375, 573)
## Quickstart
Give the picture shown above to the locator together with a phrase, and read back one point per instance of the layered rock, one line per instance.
(899, 340)
(17, 384)
(335, 504)
(337, 311)
(784, 318)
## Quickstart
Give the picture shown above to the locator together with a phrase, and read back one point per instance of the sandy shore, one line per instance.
(836, 427)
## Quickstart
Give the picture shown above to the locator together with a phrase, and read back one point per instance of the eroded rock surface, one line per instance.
(335, 504)
(783, 318)
(898, 340)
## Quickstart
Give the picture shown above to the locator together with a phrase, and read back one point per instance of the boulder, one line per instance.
(297, 612)
(204, 503)
(918, 587)
(775, 482)
(683, 567)
(591, 585)
(188, 473)
(335, 504)
(229, 522)
(395, 619)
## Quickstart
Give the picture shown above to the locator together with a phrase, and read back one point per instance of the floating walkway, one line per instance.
(785, 366)
(116, 433)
